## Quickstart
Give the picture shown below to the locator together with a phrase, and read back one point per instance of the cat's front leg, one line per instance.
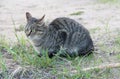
(38, 50)
(39, 55)
(42, 52)
(51, 54)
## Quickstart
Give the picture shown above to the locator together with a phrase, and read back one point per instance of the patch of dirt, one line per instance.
(95, 14)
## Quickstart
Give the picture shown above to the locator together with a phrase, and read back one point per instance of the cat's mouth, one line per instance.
(29, 33)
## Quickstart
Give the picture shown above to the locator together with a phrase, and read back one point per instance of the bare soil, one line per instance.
(94, 14)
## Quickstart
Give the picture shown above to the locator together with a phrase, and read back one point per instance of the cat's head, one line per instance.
(34, 27)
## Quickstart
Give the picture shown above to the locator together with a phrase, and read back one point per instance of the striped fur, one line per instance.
(61, 33)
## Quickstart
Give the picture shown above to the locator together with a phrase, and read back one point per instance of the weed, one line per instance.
(94, 30)
(3, 74)
(2, 63)
(109, 1)
(20, 28)
(58, 67)
(77, 13)
(3, 42)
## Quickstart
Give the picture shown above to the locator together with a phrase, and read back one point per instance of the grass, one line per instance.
(26, 55)
(108, 1)
(23, 53)
(77, 13)
(3, 67)
(20, 28)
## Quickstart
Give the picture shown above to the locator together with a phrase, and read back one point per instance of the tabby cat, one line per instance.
(61, 33)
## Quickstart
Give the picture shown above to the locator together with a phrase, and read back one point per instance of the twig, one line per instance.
(112, 65)
(106, 66)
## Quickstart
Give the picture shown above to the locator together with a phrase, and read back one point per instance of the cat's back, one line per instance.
(63, 21)
(67, 24)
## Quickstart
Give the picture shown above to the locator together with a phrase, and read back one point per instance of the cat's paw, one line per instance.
(39, 55)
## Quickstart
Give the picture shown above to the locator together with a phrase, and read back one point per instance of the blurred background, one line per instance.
(90, 13)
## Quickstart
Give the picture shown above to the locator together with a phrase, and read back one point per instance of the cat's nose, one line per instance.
(28, 33)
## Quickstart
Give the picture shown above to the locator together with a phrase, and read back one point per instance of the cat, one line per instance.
(61, 34)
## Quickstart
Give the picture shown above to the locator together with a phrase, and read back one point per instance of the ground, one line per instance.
(101, 19)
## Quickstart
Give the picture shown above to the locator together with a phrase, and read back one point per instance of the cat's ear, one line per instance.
(41, 19)
(28, 16)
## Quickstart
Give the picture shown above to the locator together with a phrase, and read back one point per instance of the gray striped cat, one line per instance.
(61, 34)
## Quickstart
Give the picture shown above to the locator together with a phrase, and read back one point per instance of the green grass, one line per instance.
(77, 13)
(3, 67)
(2, 63)
(24, 54)
(20, 28)
(109, 1)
